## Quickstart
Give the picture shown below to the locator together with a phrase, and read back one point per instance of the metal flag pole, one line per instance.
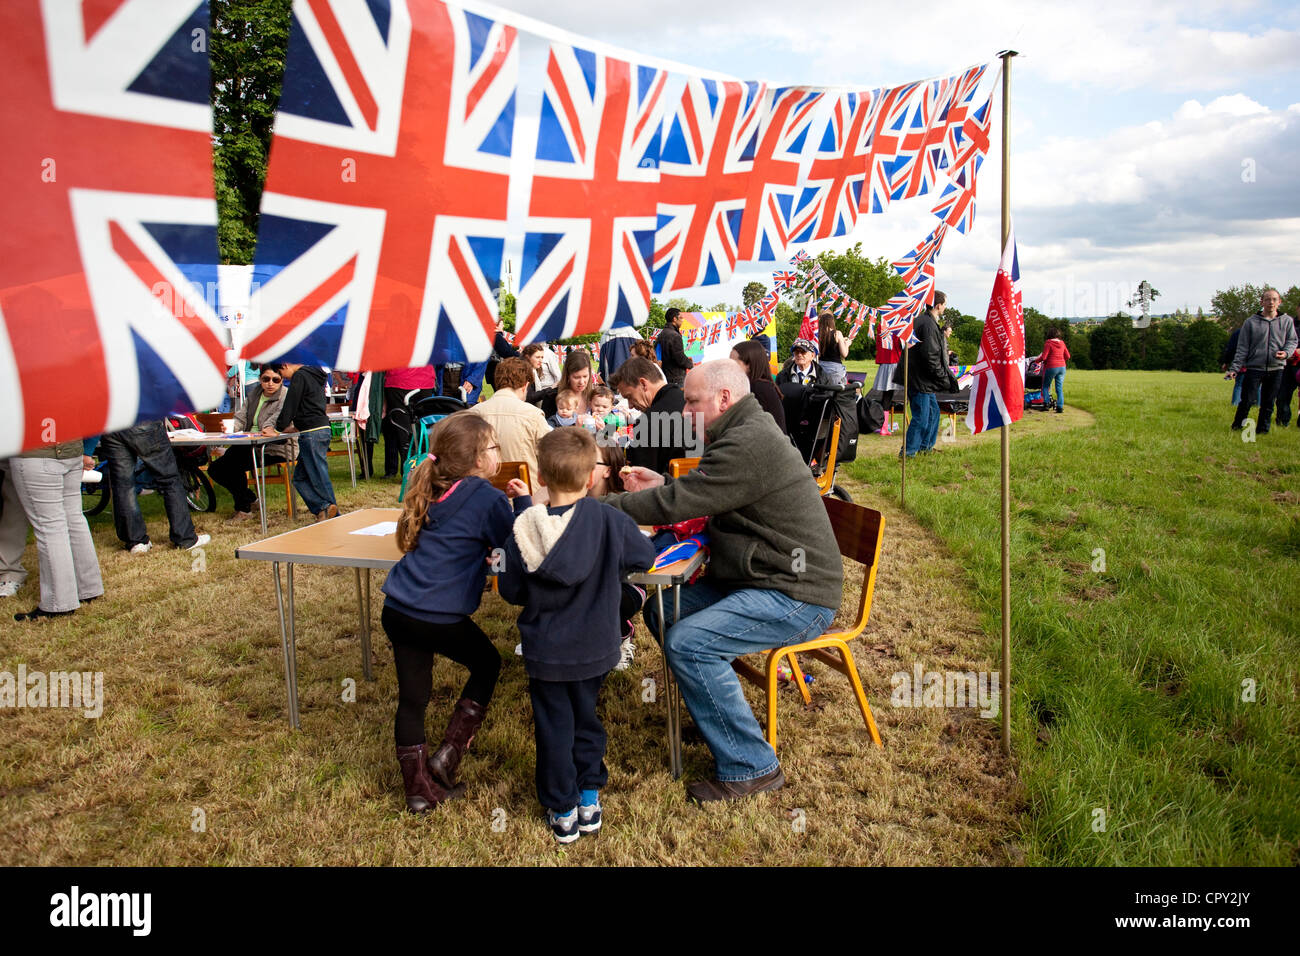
(1006, 56)
(902, 457)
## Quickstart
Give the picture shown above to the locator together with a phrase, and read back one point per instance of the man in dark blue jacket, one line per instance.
(564, 563)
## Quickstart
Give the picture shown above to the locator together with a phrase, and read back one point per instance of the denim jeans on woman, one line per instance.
(1056, 375)
(716, 627)
(923, 430)
(312, 475)
(50, 492)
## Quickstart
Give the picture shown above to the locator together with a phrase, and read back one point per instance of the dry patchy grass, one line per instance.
(194, 718)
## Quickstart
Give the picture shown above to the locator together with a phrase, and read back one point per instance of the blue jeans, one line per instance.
(312, 475)
(717, 627)
(923, 430)
(1236, 389)
(1056, 375)
(148, 442)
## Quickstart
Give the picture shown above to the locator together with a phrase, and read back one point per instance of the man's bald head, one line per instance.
(710, 389)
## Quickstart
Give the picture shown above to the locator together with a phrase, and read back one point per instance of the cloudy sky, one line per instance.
(1155, 140)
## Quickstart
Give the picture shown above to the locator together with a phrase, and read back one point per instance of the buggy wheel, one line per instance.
(838, 492)
(94, 498)
(198, 490)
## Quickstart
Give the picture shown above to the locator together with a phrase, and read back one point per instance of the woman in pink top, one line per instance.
(1054, 356)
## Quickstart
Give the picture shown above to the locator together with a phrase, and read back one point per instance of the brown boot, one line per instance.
(422, 792)
(465, 721)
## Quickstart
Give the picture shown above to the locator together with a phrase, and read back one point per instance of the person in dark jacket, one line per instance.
(261, 407)
(801, 368)
(753, 356)
(1266, 343)
(764, 506)
(662, 433)
(564, 563)
(672, 352)
(927, 373)
(452, 521)
(304, 412)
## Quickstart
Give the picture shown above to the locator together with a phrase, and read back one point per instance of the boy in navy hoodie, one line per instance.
(564, 563)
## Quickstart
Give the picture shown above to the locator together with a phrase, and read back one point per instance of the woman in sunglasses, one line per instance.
(261, 408)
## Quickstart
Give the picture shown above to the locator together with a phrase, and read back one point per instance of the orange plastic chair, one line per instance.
(680, 466)
(858, 532)
(508, 471)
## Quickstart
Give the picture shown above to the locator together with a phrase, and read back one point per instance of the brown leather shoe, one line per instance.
(709, 791)
(464, 724)
(422, 792)
(332, 511)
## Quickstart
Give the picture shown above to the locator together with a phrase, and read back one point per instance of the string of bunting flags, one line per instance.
(418, 148)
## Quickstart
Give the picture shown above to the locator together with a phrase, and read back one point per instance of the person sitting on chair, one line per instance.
(261, 408)
(802, 367)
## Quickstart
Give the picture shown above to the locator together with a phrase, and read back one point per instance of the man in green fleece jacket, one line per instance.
(774, 574)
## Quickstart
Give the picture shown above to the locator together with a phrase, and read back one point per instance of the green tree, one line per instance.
(1110, 343)
(1036, 326)
(249, 42)
(1236, 304)
(1202, 345)
(752, 292)
(685, 305)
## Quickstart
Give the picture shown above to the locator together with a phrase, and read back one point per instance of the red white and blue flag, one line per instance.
(705, 168)
(829, 201)
(594, 195)
(108, 242)
(998, 392)
(384, 217)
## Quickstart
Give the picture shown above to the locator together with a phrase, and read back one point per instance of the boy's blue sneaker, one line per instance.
(564, 825)
(589, 816)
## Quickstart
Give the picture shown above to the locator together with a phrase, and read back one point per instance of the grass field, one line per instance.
(1160, 691)
(1127, 683)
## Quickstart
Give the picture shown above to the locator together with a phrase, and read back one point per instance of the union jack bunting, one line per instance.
(714, 333)
(705, 166)
(800, 256)
(998, 390)
(960, 109)
(737, 322)
(884, 142)
(971, 145)
(592, 211)
(920, 261)
(384, 216)
(831, 195)
(108, 242)
(786, 279)
(956, 205)
(774, 184)
(764, 310)
(921, 156)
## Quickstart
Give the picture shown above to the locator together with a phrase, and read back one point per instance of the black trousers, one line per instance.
(1285, 394)
(1268, 383)
(570, 740)
(231, 470)
(397, 426)
(415, 643)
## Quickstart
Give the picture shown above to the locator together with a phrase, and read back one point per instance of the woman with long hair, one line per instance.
(577, 378)
(833, 348)
(754, 359)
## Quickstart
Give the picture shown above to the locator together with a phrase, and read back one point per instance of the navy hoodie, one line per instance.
(566, 566)
(442, 580)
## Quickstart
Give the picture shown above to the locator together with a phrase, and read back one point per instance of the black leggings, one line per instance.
(415, 643)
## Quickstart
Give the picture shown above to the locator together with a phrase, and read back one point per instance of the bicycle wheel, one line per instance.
(94, 498)
(198, 490)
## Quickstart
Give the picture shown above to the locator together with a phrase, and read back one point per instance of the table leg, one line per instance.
(349, 434)
(363, 603)
(287, 645)
(670, 693)
(259, 481)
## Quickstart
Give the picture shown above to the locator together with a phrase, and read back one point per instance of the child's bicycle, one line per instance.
(199, 493)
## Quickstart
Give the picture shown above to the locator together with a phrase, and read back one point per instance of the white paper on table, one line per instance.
(381, 530)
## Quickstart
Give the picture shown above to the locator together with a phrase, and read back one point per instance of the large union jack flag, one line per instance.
(384, 216)
(921, 153)
(593, 205)
(998, 391)
(832, 194)
(108, 242)
(706, 163)
(884, 139)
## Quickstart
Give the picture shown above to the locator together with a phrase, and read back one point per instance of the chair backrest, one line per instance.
(510, 470)
(827, 478)
(859, 532)
(211, 421)
(331, 409)
(680, 466)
